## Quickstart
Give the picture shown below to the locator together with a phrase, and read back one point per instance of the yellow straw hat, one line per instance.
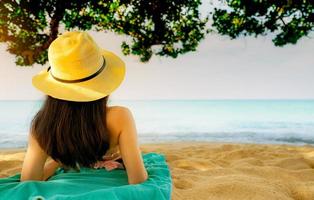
(79, 69)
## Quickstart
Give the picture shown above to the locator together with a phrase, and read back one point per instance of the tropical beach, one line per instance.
(216, 96)
(203, 170)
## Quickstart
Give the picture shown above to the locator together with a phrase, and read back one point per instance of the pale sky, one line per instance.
(246, 68)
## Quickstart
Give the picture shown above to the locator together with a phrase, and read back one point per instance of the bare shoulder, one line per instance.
(117, 117)
(115, 110)
(118, 113)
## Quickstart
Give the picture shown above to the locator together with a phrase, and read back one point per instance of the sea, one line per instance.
(158, 121)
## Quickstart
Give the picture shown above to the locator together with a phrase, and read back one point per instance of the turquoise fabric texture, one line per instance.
(92, 183)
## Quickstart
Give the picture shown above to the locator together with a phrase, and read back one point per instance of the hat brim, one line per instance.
(98, 87)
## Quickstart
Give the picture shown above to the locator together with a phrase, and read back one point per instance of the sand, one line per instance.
(224, 171)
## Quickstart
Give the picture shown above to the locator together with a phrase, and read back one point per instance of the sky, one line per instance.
(245, 68)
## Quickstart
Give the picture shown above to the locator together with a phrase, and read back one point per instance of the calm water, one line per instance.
(257, 121)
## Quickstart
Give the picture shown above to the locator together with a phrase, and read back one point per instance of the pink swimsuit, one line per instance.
(110, 161)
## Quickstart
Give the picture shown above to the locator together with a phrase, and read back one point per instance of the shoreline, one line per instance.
(18, 149)
(218, 170)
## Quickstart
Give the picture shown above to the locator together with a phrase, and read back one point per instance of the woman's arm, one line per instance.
(50, 167)
(129, 148)
(35, 166)
(34, 161)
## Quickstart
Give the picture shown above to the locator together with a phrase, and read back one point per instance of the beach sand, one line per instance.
(224, 171)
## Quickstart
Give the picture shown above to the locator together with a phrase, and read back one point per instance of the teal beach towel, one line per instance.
(92, 183)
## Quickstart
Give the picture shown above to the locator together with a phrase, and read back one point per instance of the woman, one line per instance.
(75, 127)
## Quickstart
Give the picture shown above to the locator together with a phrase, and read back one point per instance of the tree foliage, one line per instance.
(288, 19)
(165, 28)
(159, 27)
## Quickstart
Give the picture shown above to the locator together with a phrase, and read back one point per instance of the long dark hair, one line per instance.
(73, 133)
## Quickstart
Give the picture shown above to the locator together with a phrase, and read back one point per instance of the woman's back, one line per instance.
(121, 134)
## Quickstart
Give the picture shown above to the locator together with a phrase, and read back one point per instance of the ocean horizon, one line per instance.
(240, 121)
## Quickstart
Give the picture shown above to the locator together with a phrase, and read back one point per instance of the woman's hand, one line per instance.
(112, 154)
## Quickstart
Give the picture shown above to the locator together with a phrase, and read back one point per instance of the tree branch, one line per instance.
(282, 21)
(54, 30)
